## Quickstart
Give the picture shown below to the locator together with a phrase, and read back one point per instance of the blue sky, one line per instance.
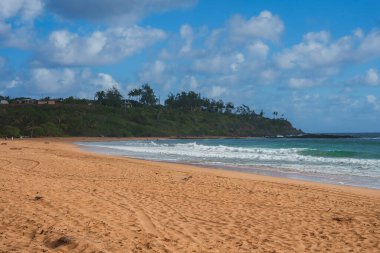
(316, 62)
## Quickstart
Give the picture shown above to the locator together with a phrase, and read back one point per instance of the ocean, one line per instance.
(354, 162)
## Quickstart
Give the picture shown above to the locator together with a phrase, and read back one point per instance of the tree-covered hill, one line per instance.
(184, 114)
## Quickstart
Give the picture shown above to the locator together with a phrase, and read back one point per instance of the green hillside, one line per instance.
(186, 114)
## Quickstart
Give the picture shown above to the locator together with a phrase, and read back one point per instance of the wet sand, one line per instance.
(55, 197)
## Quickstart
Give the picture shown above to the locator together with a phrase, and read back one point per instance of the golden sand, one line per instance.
(57, 198)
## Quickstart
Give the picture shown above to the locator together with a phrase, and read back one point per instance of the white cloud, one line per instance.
(186, 33)
(316, 51)
(342, 102)
(7, 79)
(372, 77)
(26, 9)
(302, 82)
(9, 82)
(69, 81)
(190, 82)
(258, 49)
(120, 11)
(213, 37)
(51, 80)
(13, 83)
(212, 64)
(105, 81)
(268, 76)
(322, 37)
(369, 46)
(100, 47)
(359, 33)
(160, 73)
(22, 37)
(305, 98)
(372, 100)
(154, 72)
(219, 59)
(217, 91)
(16, 20)
(264, 26)
(238, 59)
(226, 57)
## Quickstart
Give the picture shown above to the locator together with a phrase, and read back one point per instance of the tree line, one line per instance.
(139, 114)
(145, 96)
(189, 101)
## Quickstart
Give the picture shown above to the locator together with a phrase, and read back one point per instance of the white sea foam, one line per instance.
(285, 158)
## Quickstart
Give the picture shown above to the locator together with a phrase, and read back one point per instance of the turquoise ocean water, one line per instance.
(353, 162)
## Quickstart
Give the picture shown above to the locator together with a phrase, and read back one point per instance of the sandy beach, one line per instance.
(57, 198)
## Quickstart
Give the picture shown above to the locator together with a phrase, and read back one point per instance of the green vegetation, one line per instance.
(184, 114)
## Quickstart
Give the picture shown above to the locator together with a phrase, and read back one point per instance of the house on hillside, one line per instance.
(129, 103)
(4, 102)
(28, 101)
(46, 102)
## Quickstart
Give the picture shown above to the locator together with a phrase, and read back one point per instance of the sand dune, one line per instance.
(56, 198)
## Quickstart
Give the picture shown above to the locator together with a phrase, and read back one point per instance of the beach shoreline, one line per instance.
(59, 197)
(256, 169)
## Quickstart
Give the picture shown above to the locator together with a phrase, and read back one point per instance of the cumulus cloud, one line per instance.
(318, 51)
(186, 33)
(200, 59)
(218, 59)
(372, 101)
(120, 11)
(100, 47)
(155, 71)
(228, 56)
(27, 10)
(160, 73)
(7, 79)
(191, 82)
(315, 51)
(302, 82)
(322, 37)
(218, 63)
(369, 46)
(22, 37)
(217, 91)
(258, 49)
(265, 26)
(51, 81)
(212, 64)
(16, 19)
(372, 77)
(268, 76)
(105, 81)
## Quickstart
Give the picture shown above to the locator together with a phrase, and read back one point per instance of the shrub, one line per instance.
(10, 131)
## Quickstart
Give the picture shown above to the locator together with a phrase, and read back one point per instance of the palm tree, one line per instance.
(100, 95)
